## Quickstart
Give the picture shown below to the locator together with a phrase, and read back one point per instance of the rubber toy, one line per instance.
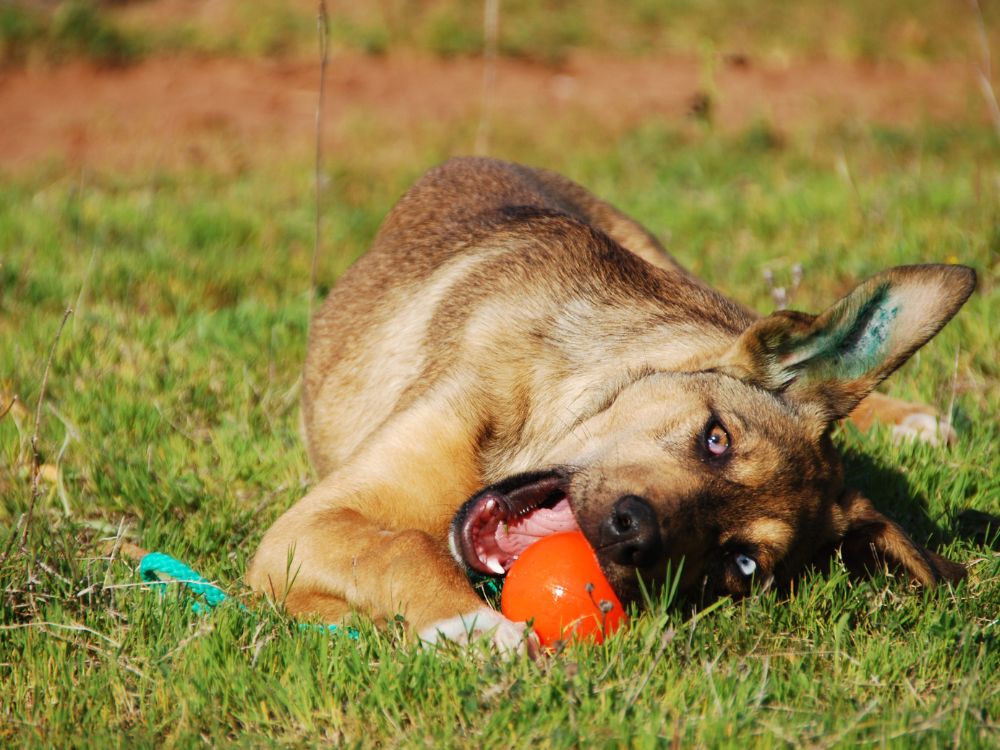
(558, 586)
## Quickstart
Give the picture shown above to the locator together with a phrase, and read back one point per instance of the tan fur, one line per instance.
(506, 321)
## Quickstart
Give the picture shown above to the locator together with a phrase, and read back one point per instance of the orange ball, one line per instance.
(548, 584)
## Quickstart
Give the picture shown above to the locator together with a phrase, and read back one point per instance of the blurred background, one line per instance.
(226, 84)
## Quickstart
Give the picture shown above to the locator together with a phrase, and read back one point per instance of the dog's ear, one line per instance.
(833, 360)
(871, 542)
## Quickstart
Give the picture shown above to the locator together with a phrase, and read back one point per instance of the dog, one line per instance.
(515, 357)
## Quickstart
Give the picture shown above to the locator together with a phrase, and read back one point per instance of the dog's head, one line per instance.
(731, 469)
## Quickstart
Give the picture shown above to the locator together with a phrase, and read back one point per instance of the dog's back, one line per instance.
(471, 231)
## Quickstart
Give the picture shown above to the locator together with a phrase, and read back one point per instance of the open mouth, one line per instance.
(494, 527)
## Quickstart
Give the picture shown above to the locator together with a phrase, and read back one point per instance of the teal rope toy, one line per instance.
(161, 570)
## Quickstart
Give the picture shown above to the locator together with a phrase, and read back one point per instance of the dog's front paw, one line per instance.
(927, 428)
(484, 623)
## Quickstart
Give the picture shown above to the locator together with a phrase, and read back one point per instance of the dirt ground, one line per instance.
(173, 112)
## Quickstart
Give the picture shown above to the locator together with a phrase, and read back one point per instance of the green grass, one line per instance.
(172, 408)
(71, 30)
(546, 31)
(549, 30)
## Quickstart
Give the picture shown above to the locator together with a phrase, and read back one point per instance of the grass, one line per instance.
(545, 31)
(171, 413)
(549, 31)
(73, 29)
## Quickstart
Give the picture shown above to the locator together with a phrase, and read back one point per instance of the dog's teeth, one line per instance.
(493, 564)
(491, 505)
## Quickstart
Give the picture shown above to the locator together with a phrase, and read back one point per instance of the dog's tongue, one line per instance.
(516, 536)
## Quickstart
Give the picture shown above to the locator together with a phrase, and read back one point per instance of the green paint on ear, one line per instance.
(855, 341)
(869, 350)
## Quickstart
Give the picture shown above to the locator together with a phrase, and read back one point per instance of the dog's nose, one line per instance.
(630, 534)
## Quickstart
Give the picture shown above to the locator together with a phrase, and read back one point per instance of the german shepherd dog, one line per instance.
(514, 357)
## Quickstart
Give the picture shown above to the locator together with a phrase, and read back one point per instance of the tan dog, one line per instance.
(509, 331)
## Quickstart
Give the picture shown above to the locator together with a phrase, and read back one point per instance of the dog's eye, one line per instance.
(716, 438)
(746, 565)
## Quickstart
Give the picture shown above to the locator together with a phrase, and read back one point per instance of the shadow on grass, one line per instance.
(892, 494)
(980, 528)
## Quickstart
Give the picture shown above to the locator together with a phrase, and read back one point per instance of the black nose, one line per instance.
(630, 534)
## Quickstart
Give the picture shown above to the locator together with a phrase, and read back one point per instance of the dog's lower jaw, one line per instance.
(482, 624)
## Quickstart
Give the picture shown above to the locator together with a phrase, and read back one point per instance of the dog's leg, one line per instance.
(323, 560)
(318, 557)
(908, 420)
(372, 536)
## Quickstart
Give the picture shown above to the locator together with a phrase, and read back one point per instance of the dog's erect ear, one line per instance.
(835, 359)
(871, 542)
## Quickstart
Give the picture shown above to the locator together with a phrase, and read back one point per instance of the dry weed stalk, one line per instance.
(323, 30)
(986, 67)
(5, 409)
(491, 33)
(25, 521)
